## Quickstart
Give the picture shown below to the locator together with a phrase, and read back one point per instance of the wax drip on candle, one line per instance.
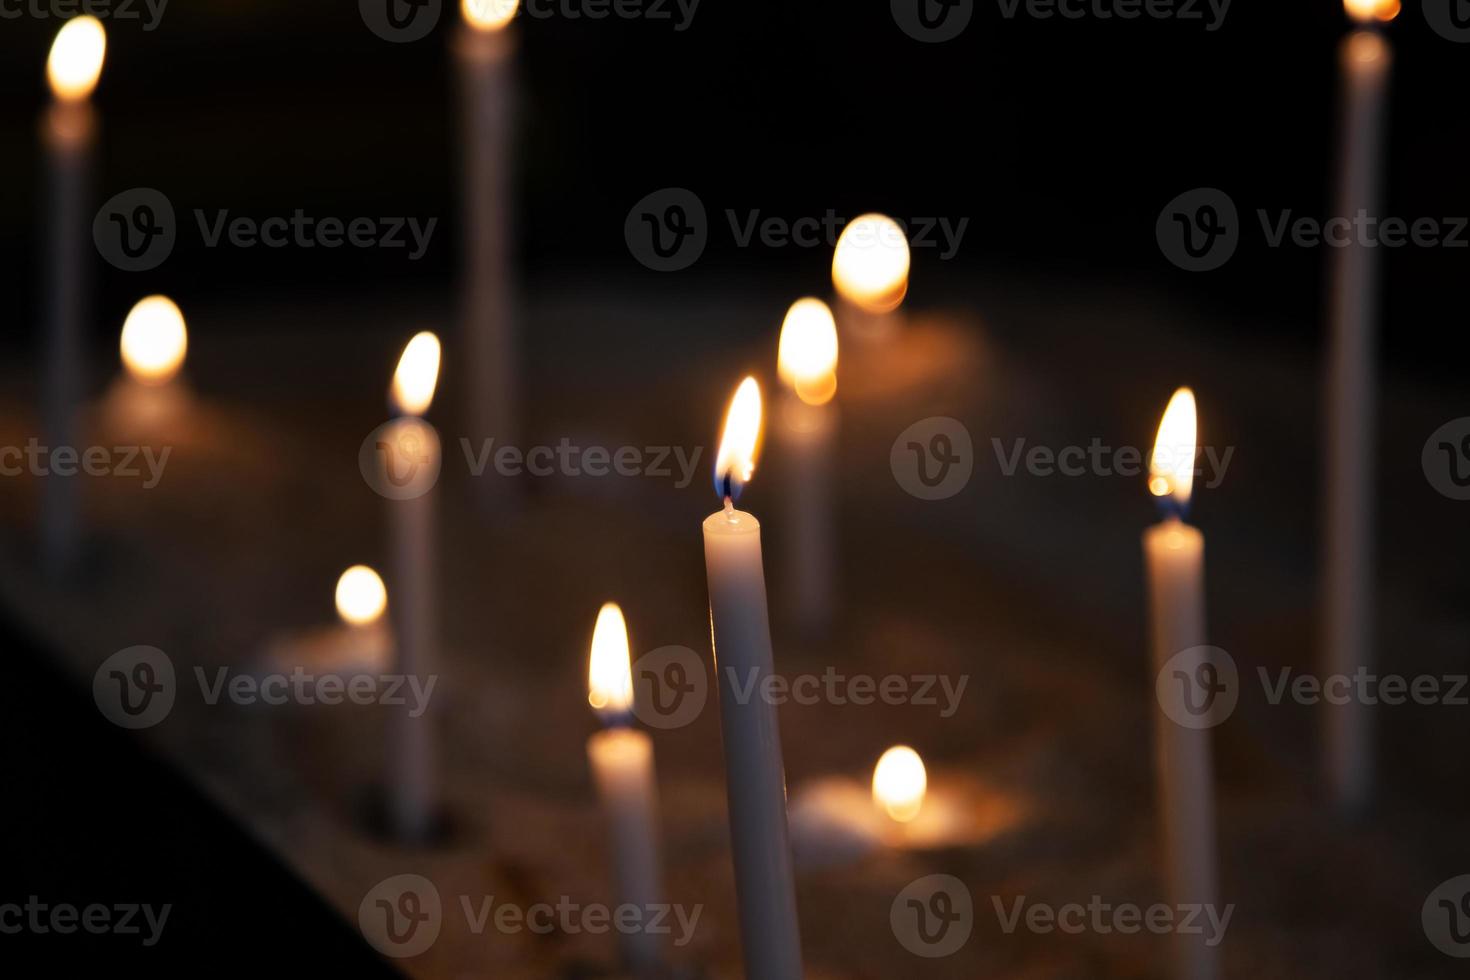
(735, 462)
(1171, 467)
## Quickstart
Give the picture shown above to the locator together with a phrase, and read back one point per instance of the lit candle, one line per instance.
(870, 271)
(1174, 554)
(69, 133)
(621, 758)
(150, 397)
(754, 773)
(407, 447)
(807, 363)
(899, 784)
(1348, 621)
(361, 599)
(485, 52)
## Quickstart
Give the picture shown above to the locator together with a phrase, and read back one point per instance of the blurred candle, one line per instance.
(69, 133)
(1348, 621)
(807, 364)
(754, 772)
(622, 766)
(1174, 554)
(870, 271)
(899, 785)
(413, 550)
(361, 599)
(485, 52)
(147, 402)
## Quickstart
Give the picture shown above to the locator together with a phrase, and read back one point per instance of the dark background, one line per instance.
(1060, 141)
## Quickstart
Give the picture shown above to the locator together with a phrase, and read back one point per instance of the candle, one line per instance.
(899, 784)
(807, 363)
(1348, 620)
(361, 599)
(485, 52)
(754, 773)
(410, 451)
(150, 397)
(870, 271)
(621, 758)
(1174, 556)
(69, 133)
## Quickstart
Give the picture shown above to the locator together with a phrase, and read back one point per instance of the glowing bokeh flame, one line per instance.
(154, 340)
(900, 783)
(75, 62)
(489, 15)
(361, 596)
(417, 375)
(609, 668)
(1171, 467)
(871, 264)
(735, 462)
(806, 358)
(1367, 11)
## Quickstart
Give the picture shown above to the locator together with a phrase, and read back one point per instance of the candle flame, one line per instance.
(609, 668)
(1171, 468)
(489, 15)
(900, 782)
(1367, 11)
(361, 596)
(806, 358)
(154, 340)
(417, 375)
(871, 264)
(76, 56)
(735, 463)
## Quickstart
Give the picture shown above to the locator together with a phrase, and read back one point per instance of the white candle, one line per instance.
(754, 773)
(485, 51)
(807, 363)
(622, 767)
(408, 444)
(870, 271)
(69, 133)
(1174, 555)
(1348, 620)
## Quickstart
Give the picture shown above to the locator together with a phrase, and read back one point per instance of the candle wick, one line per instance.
(730, 510)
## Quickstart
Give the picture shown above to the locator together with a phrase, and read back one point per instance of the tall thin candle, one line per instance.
(754, 773)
